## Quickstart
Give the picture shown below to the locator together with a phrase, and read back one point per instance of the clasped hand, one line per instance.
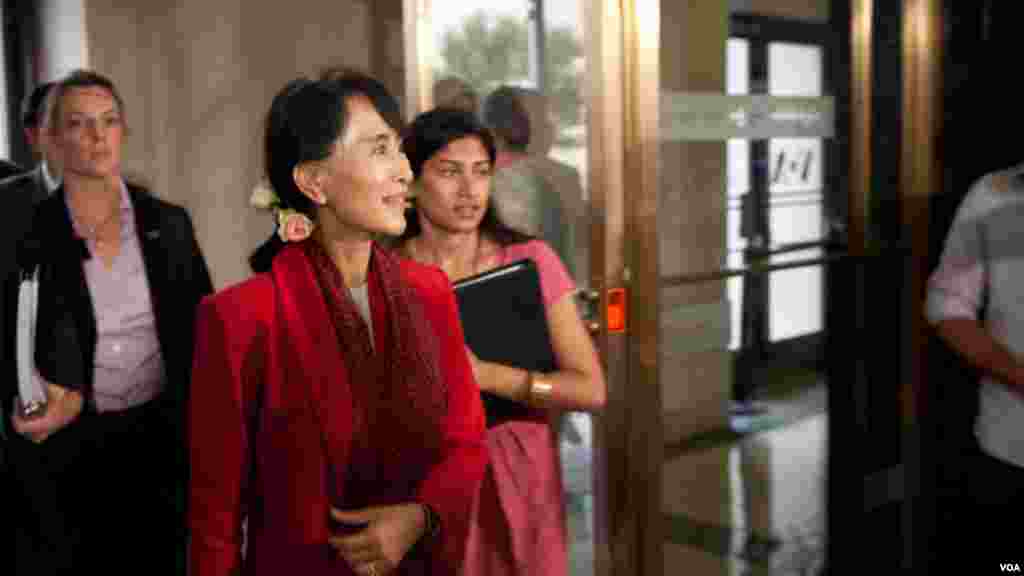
(478, 369)
(387, 534)
(62, 407)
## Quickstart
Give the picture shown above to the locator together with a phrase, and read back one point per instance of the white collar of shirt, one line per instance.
(361, 298)
(48, 178)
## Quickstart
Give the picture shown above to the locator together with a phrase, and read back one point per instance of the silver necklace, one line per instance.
(92, 232)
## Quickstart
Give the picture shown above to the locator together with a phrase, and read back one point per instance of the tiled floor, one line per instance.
(750, 500)
(773, 518)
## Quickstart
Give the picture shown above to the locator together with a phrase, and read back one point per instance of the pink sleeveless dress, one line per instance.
(518, 523)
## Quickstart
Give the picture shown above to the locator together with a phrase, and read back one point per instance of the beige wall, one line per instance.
(388, 53)
(197, 80)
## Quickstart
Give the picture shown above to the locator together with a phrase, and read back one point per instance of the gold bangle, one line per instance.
(540, 389)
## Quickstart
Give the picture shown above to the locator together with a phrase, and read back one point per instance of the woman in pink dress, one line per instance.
(518, 521)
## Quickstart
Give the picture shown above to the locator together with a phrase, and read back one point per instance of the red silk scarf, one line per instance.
(398, 395)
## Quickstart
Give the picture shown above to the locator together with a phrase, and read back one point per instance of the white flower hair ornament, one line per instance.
(292, 225)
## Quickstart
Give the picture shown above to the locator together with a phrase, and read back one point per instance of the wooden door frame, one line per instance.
(908, 482)
(622, 40)
(921, 175)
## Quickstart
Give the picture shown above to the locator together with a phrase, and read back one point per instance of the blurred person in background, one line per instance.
(524, 197)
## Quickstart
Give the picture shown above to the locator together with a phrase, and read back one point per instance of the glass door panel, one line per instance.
(536, 48)
(796, 184)
(738, 184)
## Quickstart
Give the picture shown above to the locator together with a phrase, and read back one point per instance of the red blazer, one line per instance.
(263, 418)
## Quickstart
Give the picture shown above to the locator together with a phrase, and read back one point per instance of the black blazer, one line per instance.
(66, 328)
(18, 196)
(8, 169)
(27, 182)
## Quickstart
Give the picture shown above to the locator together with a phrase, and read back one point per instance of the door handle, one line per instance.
(589, 300)
(616, 310)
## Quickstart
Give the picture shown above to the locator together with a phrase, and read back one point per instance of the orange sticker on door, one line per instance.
(616, 310)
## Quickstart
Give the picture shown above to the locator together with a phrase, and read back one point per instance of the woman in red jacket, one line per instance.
(333, 405)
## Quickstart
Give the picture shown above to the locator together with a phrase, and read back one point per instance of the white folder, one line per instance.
(31, 389)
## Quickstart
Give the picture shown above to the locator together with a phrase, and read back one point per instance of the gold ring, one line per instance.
(373, 569)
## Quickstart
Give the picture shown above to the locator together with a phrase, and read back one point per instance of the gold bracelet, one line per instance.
(540, 391)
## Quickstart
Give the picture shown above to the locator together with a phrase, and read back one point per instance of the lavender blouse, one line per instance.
(128, 366)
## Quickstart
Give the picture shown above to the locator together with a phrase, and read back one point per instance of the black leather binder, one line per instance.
(503, 317)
